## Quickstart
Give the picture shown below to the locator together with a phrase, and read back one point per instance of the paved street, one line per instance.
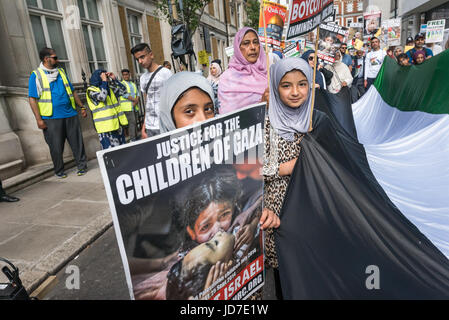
(52, 222)
(101, 273)
(102, 276)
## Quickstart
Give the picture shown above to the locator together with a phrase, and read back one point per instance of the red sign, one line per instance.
(275, 16)
(245, 282)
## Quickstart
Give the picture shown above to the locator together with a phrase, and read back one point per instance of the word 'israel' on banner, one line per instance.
(330, 40)
(186, 207)
(275, 16)
(435, 31)
(306, 15)
(391, 32)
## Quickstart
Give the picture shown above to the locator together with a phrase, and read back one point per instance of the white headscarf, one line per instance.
(172, 89)
(341, 74)
(285, 120)
(273, 58)
(216, 78)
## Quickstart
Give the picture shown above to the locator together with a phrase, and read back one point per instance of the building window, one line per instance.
(360, 6)
(216, 9)
(222, 9)
(238, 16)
(135, 35)
(336, 9)
(233, 13)
(46, 22)
(349, 7)
(360, 19)
(92, 32)
(348, 22)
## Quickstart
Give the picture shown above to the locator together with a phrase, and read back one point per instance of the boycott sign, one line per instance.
(331, 38)
(186, 207)
(435, 31)
(275, 15)
(306, 15)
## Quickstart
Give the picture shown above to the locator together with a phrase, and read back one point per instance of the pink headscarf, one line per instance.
(243, 83)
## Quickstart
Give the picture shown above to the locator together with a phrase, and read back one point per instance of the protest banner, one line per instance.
(422, 28)
(391, 32)
(371, 24)
(203, 57)
(295, 48)
(301, 44)
(306, 15)
(435, 31)
(330, 18)
(273, 19)
(186, 207)
(445, 42)
(229, 51)
(330, 39)
(309, 46)
(355, 35)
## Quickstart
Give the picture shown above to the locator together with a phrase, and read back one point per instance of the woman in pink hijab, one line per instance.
(245, 80)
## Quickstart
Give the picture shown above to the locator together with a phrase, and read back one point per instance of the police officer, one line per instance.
(103, 97)
(129, 103)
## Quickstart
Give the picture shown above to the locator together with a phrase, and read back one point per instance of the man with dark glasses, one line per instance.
(345, 58)
(53, 101)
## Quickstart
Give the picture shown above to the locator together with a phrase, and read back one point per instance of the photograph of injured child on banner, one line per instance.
(186, 207)
(331, 38)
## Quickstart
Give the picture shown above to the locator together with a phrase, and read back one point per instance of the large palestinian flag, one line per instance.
(403, 122)
(366, 214)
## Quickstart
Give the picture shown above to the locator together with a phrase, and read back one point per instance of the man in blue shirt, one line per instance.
(346, 58)
(52, 99)
(419, 45)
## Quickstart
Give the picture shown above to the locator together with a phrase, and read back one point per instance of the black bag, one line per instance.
(181, 43)
(14, 290)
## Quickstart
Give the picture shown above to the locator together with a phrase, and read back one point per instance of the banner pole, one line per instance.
(262, 9)
(314, 75)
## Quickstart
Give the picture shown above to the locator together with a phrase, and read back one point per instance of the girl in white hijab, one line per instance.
(186, 98)
(214, 78)
(342, 76)
(214, 73)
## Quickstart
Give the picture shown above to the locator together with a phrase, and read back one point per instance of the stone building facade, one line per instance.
(87, 34)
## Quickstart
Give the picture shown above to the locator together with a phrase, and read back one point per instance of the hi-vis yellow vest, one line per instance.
(125, 104)
(107, 116)
(45, 104)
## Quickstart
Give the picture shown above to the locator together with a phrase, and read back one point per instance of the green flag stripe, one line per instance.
(423, 87)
